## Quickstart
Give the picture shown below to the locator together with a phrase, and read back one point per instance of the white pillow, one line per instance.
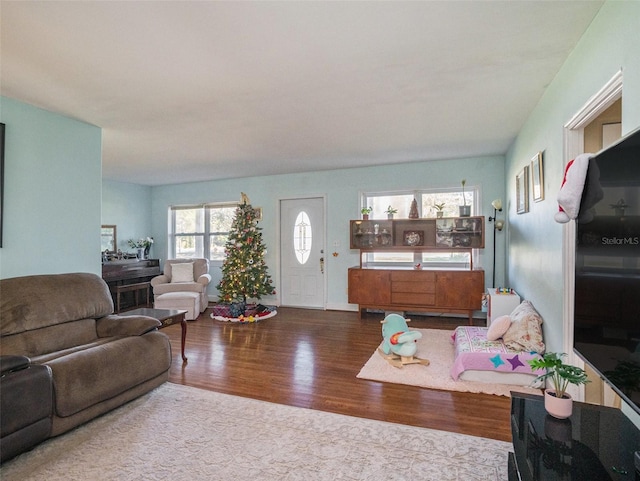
(525, 333)
(498, 328)
(182, 272)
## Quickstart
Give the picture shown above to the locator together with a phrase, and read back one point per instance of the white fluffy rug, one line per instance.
(435, 345)
(183, 433)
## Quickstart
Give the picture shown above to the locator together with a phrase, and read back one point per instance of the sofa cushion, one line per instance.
(45, 358)
(90, 376)
(50, 339)
(33, 302)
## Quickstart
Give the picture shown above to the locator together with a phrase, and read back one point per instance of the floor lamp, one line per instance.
(498, 225)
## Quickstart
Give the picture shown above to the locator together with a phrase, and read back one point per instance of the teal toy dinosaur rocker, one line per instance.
(399, 343)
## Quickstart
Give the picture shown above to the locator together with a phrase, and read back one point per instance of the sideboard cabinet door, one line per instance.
(460, 289)
(370, 287)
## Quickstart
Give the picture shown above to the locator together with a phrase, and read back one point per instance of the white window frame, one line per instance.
(465, 258)
(206, 232)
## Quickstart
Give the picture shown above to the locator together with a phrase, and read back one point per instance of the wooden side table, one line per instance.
(167, 317)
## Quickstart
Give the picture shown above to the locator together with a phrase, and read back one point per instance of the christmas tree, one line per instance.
(244, 272)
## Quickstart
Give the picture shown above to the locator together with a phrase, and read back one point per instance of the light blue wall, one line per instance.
(341, 189)
(535, 261)
(128, 207)
(52, 194)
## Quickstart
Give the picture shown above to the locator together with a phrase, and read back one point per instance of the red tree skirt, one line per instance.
(252, 314)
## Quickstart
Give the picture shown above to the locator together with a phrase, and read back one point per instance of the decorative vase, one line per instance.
(389, 216)
(465, 210)
(439, 215)
(146, 252)
(140, 253)
(365, 216)
(560, 408)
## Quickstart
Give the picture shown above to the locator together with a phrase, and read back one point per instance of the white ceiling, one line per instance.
(190, 91)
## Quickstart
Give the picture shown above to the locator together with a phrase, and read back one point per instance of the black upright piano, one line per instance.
(130, 271)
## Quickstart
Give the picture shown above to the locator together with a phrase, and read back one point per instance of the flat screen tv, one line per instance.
(607, 274)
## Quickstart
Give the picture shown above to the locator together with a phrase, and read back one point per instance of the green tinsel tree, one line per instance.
(244, 272)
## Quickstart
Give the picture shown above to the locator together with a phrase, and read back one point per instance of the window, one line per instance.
(302, 237)
(426, 202)
(201, 231)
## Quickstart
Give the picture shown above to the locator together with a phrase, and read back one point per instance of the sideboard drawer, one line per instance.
(413, 299)
(413, 276)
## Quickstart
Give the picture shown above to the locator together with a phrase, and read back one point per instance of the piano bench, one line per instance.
(136, 288)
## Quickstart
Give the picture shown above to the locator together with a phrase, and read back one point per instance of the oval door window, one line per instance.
(302, 237)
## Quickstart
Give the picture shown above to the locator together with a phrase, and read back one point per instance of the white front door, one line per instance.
(302, 252)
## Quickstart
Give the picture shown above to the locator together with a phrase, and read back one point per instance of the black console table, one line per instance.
(595, 443)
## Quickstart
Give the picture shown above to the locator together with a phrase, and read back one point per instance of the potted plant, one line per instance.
(142, 246)
(365, 212)
(390, 211)
(557, 401)
(439, 209)
(465, 210)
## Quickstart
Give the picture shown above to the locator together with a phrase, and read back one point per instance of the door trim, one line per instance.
(325, 278)
(573, 146)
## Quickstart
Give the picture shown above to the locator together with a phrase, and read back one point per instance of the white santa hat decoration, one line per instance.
(570, 195)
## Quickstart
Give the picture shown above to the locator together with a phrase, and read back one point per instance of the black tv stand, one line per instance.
(595, 443)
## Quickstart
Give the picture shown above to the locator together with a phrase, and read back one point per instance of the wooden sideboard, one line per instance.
(446, 291)
(456, 291)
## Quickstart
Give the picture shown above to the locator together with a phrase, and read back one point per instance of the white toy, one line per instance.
(570, 195)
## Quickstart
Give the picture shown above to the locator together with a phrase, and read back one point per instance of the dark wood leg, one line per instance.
(183, 324)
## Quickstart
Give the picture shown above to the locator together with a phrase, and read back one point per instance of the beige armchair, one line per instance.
(183, 285)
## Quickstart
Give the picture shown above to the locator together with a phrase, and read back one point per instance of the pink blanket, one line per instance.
(473, 351)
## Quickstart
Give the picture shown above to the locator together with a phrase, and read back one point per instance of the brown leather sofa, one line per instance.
(97, 360)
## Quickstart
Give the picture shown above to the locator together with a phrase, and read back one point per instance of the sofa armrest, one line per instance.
(204, 279)
(13, 363)
(117, 325)
(161, 279)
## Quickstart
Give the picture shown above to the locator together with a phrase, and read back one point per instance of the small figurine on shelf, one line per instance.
(413, 212)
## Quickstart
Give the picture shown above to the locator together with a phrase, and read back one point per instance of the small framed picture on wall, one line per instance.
(522, 191)
(537, 177)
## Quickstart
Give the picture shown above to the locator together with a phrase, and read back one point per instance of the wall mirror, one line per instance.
(108, 239)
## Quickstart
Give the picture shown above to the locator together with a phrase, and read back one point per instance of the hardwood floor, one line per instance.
(310, 358)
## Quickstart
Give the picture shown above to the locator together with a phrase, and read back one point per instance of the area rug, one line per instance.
(435, 345)
(183, 433)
